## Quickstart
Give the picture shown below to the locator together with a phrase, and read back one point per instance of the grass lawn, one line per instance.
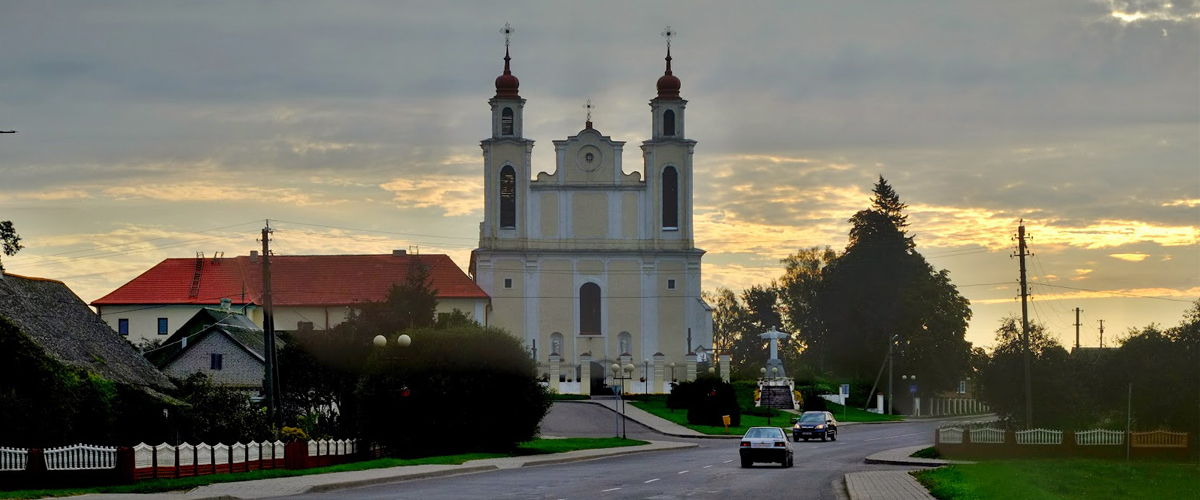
(534, 447)
(658, 407)
(1063, 479)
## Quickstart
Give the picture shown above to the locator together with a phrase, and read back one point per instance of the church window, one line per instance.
(556, 340)
(670, 284)
(508, 197)
(589, 309)
(506, 122)
(668, 122)
(670, 198)
(507, 282)
(624, 342)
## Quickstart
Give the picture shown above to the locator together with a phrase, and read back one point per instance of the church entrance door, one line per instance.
(597, 379)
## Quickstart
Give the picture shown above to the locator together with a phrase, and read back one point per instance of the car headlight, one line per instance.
(797, 426)
(821, 426)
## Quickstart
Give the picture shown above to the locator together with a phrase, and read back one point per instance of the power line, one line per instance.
(1113, 292)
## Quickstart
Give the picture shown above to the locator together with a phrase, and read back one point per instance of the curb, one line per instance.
(355, 483)
(900, 456)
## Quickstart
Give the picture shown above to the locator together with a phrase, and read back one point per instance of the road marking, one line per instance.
(707, 466)
(610, 489)
(683, 472)
(727, 461)
(896, 436)
(650, 481)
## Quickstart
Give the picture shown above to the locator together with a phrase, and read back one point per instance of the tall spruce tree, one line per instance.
(882, 287)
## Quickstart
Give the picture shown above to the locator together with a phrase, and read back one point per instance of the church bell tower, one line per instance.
(506, 159)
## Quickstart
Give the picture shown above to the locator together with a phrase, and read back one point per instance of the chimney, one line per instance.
(225, 303)
(254, 256)
(397, 253)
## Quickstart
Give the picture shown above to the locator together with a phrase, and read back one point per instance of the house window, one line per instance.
(589, 309)
(162, 326)
(123, 326)
(508, 197)
(962, 386)
(506, 122)
(216, 361)
(507, 282)
(670, 198)
(669, 122)
(670, 284)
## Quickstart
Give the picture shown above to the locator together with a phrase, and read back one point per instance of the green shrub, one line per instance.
(706, 399)
(452, 390)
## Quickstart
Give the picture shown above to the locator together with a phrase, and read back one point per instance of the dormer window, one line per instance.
(506, 122)
(669, 122)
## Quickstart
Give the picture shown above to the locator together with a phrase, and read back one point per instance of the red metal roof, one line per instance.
(296, 280)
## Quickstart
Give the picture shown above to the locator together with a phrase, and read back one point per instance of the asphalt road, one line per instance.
(709, 471)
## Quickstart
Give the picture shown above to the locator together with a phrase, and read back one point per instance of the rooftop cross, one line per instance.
(589, 108)
(507, 30)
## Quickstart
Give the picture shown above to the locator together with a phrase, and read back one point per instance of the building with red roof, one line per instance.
(314, 291)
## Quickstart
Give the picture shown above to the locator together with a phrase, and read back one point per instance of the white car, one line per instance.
(765, 444)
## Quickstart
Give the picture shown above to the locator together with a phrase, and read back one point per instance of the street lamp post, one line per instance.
(620, 375)
(646, 376)
(671, 365)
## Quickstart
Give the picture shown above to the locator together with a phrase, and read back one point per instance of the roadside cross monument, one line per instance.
(774, 364)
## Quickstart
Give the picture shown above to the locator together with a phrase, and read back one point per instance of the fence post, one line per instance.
(126, 465)
(35, 466)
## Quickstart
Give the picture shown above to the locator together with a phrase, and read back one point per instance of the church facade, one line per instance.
(591, 265)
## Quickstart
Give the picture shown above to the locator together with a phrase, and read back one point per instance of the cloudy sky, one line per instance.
(153, 129)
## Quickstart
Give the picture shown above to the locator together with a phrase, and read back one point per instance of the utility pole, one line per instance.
(1021, 253)
(891, 343)
(1101, 333)
(1077, 327)
(272, 366)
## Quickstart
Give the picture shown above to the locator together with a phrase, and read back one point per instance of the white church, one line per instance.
(589, 264)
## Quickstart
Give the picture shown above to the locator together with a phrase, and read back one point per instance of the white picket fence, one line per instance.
(204, 454)
(1158, 439)
(1099, 437)
(81, 457)
(950, 435)
(13, 459)
(1039, 436)
(988, 435)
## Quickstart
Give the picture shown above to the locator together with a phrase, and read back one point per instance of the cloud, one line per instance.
(198, 191)
(1139, 11)
(454, 195)
(1131, 257)
(1190, 203)
(49, 195)
(1046, 294)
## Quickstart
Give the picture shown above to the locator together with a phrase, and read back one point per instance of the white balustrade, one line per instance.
(80, 457)
(1039, 436)
(13, 458)
(950, 435)
(1099, 437)
(987, 435)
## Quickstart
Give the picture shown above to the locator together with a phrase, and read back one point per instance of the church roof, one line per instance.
(296, 280)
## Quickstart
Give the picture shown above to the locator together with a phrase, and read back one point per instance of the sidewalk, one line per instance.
(885, 485)
(284, 486)
(893, 484)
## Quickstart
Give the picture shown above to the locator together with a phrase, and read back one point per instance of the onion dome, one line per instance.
(507, 83)
(668, 84)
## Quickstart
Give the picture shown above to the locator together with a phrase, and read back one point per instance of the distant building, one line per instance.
(59, 323)
(308, 291)
(588, 258)
(221, 343)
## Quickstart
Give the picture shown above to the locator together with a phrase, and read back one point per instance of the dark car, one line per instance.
(815, 424)
(765, 444)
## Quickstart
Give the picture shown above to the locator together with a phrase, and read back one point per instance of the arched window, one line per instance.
(624, 343)
(670, 198)
(508, 197)
(556, 343)
(668, 122)
(506, 122)
(589, 309)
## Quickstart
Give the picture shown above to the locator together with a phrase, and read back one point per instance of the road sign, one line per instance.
(912, 388)
(844, 390)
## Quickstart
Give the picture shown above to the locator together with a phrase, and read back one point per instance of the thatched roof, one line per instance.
(67, 330)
